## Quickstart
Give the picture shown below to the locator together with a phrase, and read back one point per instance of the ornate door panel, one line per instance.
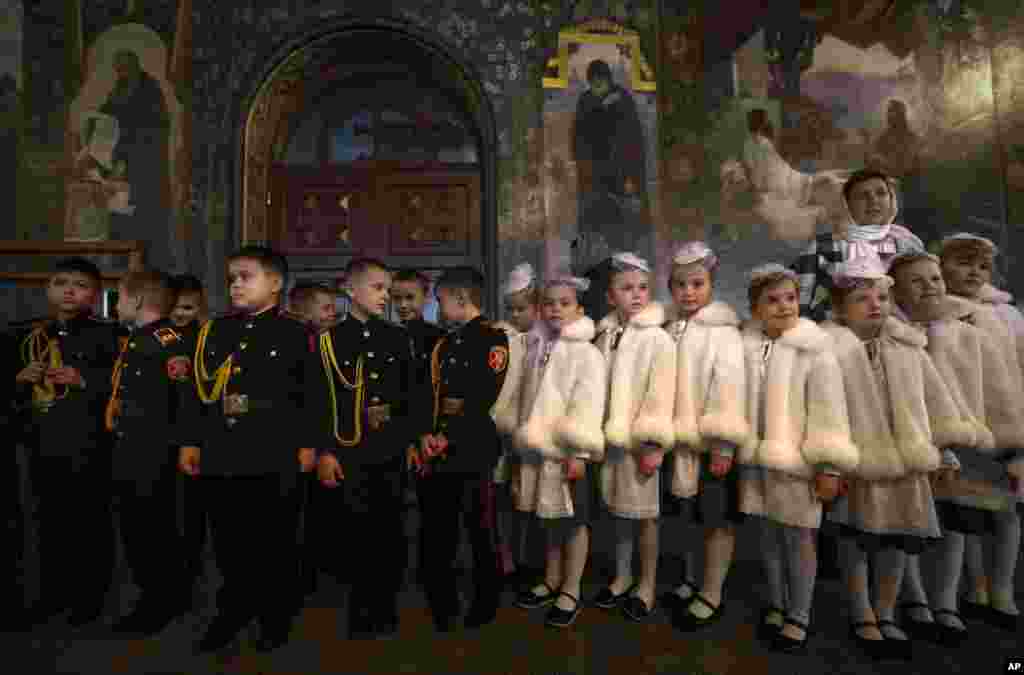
(377, 209)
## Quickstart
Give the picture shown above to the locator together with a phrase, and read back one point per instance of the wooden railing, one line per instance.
(135, 250)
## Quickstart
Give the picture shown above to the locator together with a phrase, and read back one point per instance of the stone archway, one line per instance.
(294, 73)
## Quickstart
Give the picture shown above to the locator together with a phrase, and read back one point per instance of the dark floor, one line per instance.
(517, 644)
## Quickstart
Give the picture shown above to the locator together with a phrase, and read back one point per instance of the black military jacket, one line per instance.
(73, 424)
(423, 335)
(274, 403)
(468, 371)
(385, 423)
(155, 407)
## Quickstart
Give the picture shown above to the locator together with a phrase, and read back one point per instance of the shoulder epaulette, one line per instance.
(166, 336)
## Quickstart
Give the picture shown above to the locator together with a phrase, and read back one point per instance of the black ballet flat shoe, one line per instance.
(606, 599)
(895, 647)
(946, 635)
(918, 630)
(527, 599)
(1003, 620)
(788, 645)
(562, 618)
(766, 632)
(974, 610)
(84, 615)
(876, 649)
(688, 621)
(673, 602)
(221, 633)
(145, 621)
(480, 616)
(636, 609)
(272, 638)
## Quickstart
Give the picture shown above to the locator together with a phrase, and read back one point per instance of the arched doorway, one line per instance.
(368, 138)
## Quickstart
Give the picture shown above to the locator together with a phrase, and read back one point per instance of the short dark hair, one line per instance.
(413, 275)
(187, 283)
(466, 279)
(598, 69)
(81, 266)
(863, 175)
(306, 291)
(269, 259)
(361, 265)
(153, 286)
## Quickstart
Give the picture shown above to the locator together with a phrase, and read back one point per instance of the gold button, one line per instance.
(369, 355)
(248, 325)
(243, 345)
(366, 333)
(373, 376)
(273, 352)
(131, 345)
(375, 399)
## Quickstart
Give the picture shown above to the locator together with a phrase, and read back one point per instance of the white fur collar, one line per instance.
(893, 329)
(715, 313)
(651, 315)
(804, 336)
(991, 295)
(580, 330)
(956, 307)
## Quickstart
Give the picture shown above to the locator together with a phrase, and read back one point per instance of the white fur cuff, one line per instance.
(659, 431)
(953, 432)
(573, 436)
(834, 449)
(536, 436)
(724, 427)
(687, 432)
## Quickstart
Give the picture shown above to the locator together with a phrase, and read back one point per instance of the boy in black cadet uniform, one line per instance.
(460, 450)
(315, 305)
(62, 385)
(12, 534)
(409, 290)
(188, 314)
(150, 412)
(265, 412)
(368, 366)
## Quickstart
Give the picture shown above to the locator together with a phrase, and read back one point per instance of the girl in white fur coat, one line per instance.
(710, 422)
(979, 380)
(798, 447)
(901, 413)
(521, 300)
(967, 263)
(560, 437)
(638, 428)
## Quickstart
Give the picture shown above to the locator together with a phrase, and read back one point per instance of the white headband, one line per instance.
(623, 262)
(866, 268)
(579, 284)
(695, 251)
(519, 279)
(769, 269)
(960, 237)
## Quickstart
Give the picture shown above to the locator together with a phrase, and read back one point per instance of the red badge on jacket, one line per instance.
(497, 359)
(179, 368)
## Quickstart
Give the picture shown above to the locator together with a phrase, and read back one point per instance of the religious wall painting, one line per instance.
(598, 170)
(125, 138)
(11, 28)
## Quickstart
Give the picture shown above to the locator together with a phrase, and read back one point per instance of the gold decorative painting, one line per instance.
(430, 219)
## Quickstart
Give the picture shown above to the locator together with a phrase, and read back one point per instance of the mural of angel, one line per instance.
(792, 204)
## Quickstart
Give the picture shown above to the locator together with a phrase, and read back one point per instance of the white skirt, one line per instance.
(626, 492)
(903, 506)
(782, 497)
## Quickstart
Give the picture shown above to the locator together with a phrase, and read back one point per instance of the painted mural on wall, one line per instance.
(11, 22)
(799, 106)
(600, 130)
(125, 129)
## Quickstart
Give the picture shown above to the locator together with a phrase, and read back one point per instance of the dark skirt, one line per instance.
(965, 519)
(870, 542)
(716, 503)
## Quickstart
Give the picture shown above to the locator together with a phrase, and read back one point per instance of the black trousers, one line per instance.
(75, 528)
(364, 542)
(445, 500)
(153, 545)
(253, 520)
(12, 534)
(194, 525)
